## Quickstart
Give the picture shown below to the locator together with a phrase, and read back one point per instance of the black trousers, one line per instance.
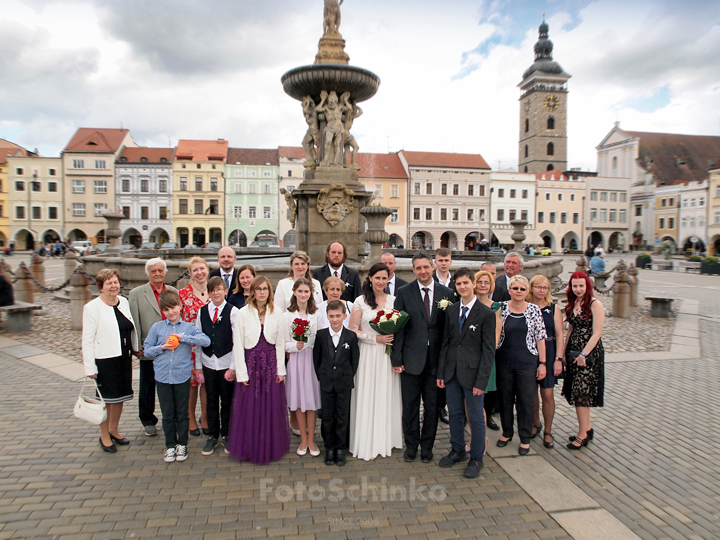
(219, 401)
(415, 388)
(146, 394)
(335, 416)
(490, 402)
(515, 390)
(174, 400)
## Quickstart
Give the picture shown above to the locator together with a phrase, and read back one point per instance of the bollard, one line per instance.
(581, 265)
(24, 288)
(621, 297)
(38, 272)
(634, 285)
(600, 280)
(79, 296)
(70, 264)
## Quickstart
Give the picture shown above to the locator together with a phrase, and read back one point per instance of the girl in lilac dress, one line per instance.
(302, 388)
(259, 430)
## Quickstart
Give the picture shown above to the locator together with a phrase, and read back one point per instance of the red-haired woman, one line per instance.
(585, 374)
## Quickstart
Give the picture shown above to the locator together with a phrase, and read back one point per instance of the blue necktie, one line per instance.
(463, 316)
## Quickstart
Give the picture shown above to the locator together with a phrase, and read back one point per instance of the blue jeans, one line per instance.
(456, 396)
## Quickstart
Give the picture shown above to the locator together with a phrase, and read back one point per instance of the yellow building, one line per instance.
(199, 191)
(559, 210)
(385, 176)
(666, 215)
(7, 149)
(713, 217)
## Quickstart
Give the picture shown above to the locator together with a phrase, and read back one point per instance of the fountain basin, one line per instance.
(311, 80)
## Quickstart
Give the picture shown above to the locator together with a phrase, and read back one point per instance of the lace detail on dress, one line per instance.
(364, 331)
(584, 386)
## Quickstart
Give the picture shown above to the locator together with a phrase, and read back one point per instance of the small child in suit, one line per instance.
(336, 356)
(173, 366)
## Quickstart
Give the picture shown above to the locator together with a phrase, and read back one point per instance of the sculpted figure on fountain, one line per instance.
(334, 128)
(331, 18)
(352, 112)
(312, 139)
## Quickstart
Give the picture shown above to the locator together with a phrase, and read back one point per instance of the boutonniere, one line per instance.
(346, 345)
(348, 284)
(219, 319)
(443, 304)
(472, 327)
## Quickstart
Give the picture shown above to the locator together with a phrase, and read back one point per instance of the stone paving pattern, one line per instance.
(55, 482)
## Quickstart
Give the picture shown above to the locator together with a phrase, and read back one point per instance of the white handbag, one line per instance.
(90, 409)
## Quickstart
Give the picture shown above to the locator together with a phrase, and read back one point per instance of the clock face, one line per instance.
(551, 102)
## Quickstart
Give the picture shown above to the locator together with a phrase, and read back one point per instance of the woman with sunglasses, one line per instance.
(520, 362)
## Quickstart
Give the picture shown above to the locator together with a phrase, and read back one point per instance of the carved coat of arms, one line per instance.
(335, 202)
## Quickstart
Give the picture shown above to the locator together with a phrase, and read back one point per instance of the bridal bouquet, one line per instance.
(389, 321)
(300, 330)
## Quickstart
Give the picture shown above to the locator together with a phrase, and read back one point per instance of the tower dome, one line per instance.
(543, 55)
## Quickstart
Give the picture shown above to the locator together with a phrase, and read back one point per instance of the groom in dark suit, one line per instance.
(415, 352)
(466, 359)
(335, 257)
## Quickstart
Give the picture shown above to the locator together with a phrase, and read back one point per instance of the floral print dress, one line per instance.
(584, 386)
(191, 305)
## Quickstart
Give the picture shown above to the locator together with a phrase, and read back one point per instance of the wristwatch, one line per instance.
(559, 359)
(543, 363)
(583, 353)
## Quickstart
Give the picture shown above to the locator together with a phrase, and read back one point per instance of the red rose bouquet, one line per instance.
(389, 321)
(300, 330)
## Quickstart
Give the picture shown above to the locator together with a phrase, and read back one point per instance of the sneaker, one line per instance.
(225, 444)
(150, 430)
(209, 446)
(169, 456)
(181, 453)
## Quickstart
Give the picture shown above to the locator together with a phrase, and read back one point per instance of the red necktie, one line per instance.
(336, 273)
(215, 316)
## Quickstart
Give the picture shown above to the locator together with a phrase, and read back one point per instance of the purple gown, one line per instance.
(259, 430)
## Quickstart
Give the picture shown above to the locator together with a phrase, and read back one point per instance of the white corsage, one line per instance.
(472, 327)
(443, 304)
(218, 319)
(346, 345)
(347, 285)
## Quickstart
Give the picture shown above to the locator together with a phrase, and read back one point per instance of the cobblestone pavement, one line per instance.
(640, 333)
(55, 482)
(653, 463)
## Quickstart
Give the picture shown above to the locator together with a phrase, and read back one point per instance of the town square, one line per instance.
(433, 273)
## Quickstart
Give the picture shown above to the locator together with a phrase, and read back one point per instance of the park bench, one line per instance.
(662, 265)
(660, 303)
(689, 266)
(19, 316)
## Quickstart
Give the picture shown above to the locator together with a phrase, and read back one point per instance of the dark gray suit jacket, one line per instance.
(349, 275)
(469, 353)
(335, 368)
(501, 294)
(410, 345)
(233, 281)
(144, 309)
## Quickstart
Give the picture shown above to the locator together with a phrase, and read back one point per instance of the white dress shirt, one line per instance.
(335, 337)
(226, 361)
(391, 285)
(228, 282)
(431, 294)
(339, 271)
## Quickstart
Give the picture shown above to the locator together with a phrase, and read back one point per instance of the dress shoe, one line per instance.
(340, 457)
(410, 454)
(110, 448)
(194, 432)
(206, 431)
(537, 429)
(314, 453)
(302, 451)
(503, 444)
(589, 436)
(330, 457)
(452, 458)
(524, 451)
(426, 458)
(577, 444)
(492, 424)
(550, 444)
(473, 468)
(122, 441)
(444, 417)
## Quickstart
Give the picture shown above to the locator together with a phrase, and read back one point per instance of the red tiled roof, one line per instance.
(8, 149)
(96, 140)
(380, 166)
(292, 152)
(438, 159)
(555, 174)
(201, 150)
(151, 155)
(252, 156)
(672, 157)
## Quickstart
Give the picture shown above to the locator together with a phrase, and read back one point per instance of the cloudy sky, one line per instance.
(206, 69)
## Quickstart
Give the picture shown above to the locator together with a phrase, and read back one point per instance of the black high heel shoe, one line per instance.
(588, 437)
(119, 440)
(503, 444)
(573, 446)
(550, 444)
(538, 428)
(111, 448)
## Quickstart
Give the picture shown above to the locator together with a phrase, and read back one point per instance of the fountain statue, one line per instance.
(326, 205)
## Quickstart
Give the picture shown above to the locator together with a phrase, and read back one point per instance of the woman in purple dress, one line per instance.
(259, 430)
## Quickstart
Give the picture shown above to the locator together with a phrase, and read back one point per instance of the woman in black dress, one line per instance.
(238, 297)
(584, 384)
(108, 342)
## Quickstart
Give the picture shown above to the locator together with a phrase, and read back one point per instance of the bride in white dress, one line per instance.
(376, 404)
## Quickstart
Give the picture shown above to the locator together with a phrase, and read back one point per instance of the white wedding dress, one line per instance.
(376, 404)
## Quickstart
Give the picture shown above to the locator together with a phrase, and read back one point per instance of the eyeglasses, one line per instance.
(541, 287)
(262, 289)
(523, 289)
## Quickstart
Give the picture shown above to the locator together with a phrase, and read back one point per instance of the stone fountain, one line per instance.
(326, 205)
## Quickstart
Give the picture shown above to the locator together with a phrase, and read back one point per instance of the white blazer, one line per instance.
(284, 293)
(247, 334)
(100, 334)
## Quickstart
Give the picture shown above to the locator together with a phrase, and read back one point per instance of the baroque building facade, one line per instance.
(559, 216)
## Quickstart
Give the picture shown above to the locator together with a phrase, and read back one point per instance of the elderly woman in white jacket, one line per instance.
(259, 430)
(109, 340)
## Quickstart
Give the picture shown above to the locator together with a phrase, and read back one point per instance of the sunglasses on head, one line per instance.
(518, 289)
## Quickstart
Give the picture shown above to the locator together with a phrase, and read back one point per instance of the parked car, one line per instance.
(190, 246)
(496, 250)
(98, 249)
(169, 245)
(544, 251)
(263, 243)
(149, 245)
(213, 245)
(82, 246)
(127, 247)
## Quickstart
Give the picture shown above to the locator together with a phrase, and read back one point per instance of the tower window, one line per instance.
(550, 167)
(526, 150)
(551, 123)
(526, 169)
(550, 150)
(527, 125)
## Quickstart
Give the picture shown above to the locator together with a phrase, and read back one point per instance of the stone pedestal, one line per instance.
(331, 50)
(519, 235)
(24, 288)
(376, 235)
(313, 230)
(112, 231)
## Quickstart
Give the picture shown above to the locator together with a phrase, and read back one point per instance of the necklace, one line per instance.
(202, 293)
